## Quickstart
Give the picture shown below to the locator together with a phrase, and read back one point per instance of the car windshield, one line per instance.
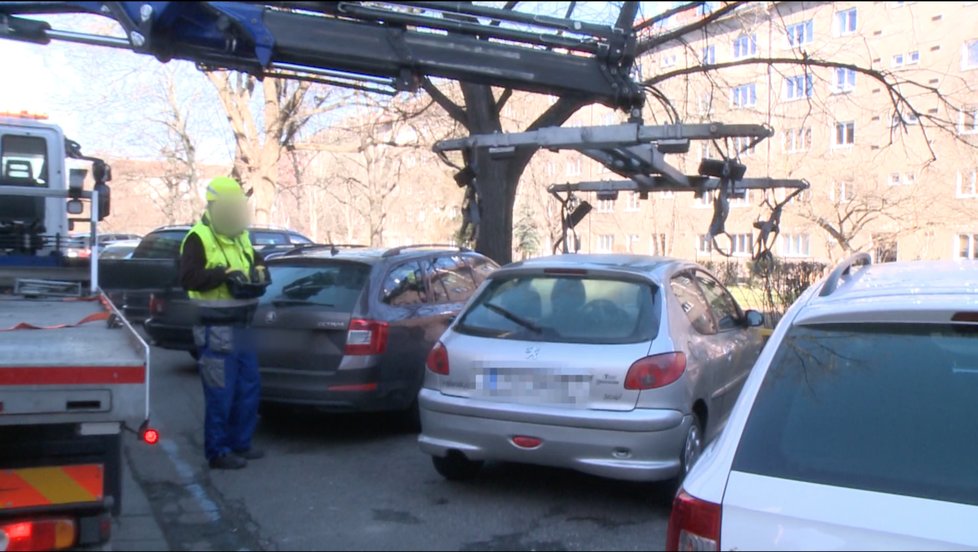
(259, 238)
(160, 245)
(334, 286)
(891, 408)
(563, 309)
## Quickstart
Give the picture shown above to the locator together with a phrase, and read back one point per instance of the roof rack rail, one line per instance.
(333, 248)
(401, 248)
(835, 277)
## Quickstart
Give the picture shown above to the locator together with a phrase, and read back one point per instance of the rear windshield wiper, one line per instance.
(514, 318)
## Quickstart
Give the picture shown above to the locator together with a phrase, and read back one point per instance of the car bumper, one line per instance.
(637, 445)
(360, 390)
(170, 336)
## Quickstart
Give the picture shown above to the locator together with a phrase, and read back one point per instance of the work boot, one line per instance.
(228, 462)
(251, 454)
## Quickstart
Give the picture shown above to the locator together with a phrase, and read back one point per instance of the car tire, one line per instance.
(692, 449)
(456, 467)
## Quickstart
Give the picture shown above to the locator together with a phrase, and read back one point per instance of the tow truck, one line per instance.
(74, 375)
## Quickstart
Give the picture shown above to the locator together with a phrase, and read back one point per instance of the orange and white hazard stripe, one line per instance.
(35, 487)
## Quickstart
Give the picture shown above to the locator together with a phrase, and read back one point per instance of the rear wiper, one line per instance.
(514, 318)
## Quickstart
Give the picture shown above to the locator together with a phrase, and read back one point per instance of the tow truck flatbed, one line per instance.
(74, 367)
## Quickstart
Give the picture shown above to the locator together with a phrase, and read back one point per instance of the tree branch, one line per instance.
(665, 38)
(454, 110)
(666, 15)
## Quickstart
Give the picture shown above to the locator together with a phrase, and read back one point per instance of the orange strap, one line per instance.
(94, 317)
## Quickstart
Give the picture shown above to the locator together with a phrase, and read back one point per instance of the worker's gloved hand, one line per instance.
(262, 276)
(236, 276)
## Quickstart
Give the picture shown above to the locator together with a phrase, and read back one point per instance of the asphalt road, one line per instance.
(354, 482)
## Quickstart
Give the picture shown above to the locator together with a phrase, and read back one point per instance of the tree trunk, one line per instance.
(496, 186)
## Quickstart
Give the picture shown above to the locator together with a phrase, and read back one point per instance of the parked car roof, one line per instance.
(635, 264)
(895, 290)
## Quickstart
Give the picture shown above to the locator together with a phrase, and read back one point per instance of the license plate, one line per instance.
(537, 385)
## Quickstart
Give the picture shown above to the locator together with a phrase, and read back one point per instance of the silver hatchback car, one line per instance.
(618, 366)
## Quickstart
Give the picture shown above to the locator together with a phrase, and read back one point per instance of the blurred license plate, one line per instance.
(537, 384)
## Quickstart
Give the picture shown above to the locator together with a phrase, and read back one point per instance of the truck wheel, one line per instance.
(456, 467)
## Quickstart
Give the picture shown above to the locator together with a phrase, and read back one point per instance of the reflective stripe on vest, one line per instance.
(221, 251)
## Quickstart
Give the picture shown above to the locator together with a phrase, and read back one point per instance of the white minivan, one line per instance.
(857, 428)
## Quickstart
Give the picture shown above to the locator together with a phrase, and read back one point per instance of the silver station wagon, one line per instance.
(618, 366)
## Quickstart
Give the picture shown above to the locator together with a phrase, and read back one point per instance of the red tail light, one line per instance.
(151, 436)
(438, 359)
(41, 534)
(156, 305)
(694, 524)
(655, 371)
(366, 337)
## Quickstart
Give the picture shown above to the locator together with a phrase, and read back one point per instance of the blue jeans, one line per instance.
(232, 387)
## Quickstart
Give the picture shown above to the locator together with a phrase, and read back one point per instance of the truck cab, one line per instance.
(32, 155)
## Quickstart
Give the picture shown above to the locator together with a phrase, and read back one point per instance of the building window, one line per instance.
(742, 245)
(842, 192)
(968, 120)
(845, 21)
(606, 206)
(705, 200)
(845, 80)
(970, 56)
(885, 248)
(633, 202)
(967, 185)
(804, 197)
(844, 135)
(658, 247)
(574, 168)
(741, 201)
(898, 60)
(709, 55)
(899, 119)
(913, 57)
(744, 46)
(797, 140)
(896, 179)
(967, 246)
(706, 150)
(705, 103)
(744, 146)
(670, 60)
(551, 169)
(632, 242)
(799, 86)
(744, 95)
(606, 243)
(795, 245)
(801, 33)
(704, 244)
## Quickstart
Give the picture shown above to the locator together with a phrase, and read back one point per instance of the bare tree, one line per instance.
(175, 190)
(263, 134)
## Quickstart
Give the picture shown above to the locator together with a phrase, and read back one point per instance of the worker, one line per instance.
(224, 277)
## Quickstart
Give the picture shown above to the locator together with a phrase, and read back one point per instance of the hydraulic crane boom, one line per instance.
(378, 46)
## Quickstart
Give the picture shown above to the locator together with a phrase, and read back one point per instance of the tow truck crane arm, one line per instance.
(377, 46)
(388, 47)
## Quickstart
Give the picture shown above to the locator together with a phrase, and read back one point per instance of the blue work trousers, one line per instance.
(232, 388)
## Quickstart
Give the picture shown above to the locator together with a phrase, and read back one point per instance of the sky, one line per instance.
(103, 98)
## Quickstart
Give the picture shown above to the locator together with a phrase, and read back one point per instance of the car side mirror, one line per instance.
(753, 319)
